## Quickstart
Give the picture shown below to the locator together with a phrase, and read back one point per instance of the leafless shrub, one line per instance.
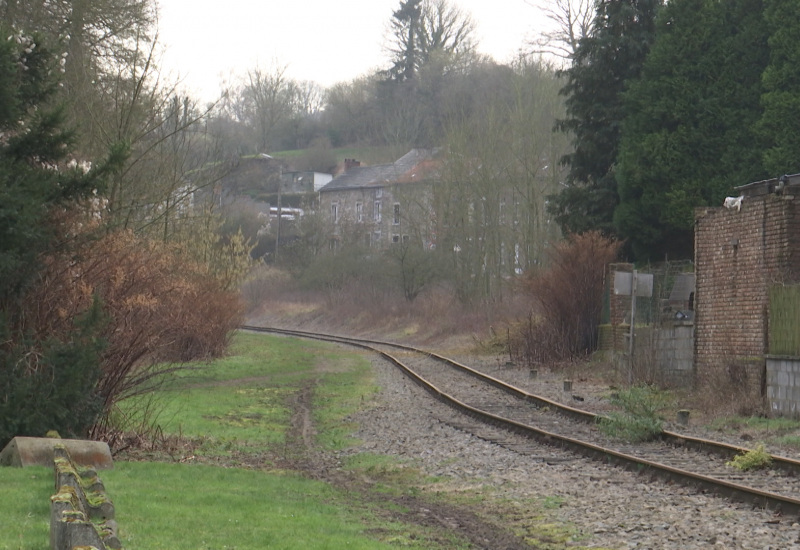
(161, 308)
(569, 300)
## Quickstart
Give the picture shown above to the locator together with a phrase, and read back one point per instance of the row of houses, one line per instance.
(383, 204)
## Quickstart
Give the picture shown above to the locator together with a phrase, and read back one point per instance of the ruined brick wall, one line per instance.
(738, 254)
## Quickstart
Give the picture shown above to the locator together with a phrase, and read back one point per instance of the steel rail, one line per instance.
(728, 489)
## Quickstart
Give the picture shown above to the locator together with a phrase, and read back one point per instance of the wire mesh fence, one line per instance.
(659, 349)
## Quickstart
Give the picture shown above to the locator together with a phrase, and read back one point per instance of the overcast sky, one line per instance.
(326, 41)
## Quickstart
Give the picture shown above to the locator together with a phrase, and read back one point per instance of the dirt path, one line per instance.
(302, 454)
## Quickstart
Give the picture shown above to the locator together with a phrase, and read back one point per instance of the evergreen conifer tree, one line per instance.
(46, 381)
(604, 64)
(688, 137)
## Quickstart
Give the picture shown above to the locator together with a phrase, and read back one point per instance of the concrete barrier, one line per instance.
(38, 451)
(81, 514)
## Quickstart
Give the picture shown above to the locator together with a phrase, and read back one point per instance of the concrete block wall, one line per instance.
(783, 386)
(675, 353)
(738, 254)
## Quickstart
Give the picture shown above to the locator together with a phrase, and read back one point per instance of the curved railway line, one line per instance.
(491, 408)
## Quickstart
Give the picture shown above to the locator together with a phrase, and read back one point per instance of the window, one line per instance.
(377, 211)
(378, 193)
(376, 237)
(405, 238)
(359, 212)
(396, 218)
(395, 238)
(335, 212)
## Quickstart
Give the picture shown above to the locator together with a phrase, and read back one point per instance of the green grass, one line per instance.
(345, 385)
(25, 508)
(776, 431)
(254, 356)
(244, 397)
(735, 423)
(166, 506)
(239, 407)
(237, 403)
(194, 506)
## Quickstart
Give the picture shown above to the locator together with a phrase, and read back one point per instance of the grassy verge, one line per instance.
(239, 409)
(196, 506)
(232, 486)
(244, 400)
(25, 508)
(775, 431)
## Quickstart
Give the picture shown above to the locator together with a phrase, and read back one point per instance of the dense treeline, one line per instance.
(672, 105)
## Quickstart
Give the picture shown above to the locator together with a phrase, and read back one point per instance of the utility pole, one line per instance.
(278, 231)
(633, 328)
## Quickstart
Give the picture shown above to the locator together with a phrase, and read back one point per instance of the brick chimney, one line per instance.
(351, 163)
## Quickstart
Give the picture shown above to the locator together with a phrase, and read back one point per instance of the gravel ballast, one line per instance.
(606, 506)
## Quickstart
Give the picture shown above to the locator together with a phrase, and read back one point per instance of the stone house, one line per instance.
(744, 251)
(382, 204)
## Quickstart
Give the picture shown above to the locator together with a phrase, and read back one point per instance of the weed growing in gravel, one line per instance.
(752, 460)
(639, 419)
(552, 502)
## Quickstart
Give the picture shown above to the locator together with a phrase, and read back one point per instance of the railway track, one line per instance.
(493, 408)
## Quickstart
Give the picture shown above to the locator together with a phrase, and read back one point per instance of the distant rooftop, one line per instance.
(416, 165)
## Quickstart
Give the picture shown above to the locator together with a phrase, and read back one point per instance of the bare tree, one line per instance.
(448, 30)
(265, 101)
(350, 111)
(502, 163)
(422, 30)
(571, 20)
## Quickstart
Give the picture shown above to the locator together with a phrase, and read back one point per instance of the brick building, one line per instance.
(741, 251)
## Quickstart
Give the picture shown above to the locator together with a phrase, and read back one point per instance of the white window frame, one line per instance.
(335, 212)
(396, 213)
(377, 212)
(359, 212)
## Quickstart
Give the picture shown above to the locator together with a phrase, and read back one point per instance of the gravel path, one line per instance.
(607, 507)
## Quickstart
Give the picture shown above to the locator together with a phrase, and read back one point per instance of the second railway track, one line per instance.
(489, 401)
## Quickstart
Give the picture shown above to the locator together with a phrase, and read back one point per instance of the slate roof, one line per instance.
(413, 166)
